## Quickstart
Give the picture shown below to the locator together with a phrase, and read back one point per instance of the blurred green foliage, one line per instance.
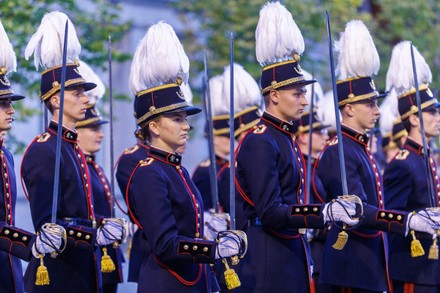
(389, 22)
(94, 21)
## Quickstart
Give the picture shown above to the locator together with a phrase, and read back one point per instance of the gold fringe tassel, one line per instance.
(416, 246)
(231, 277)
(342, 239)
(433, 250)
(42, 277)
(107, 264)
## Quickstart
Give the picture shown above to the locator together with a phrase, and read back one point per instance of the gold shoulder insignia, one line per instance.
(205, 163)
(333, 141)
(44, 137)
(146, 162)
(131, 150)
(260, 129)
(402, 155)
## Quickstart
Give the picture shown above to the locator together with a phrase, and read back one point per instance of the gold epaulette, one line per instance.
(44, 137)
(260, 129)
(402, 155)
(205, 163)
(146, 162)
(131, 150)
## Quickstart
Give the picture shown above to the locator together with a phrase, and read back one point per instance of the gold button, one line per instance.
(87, 237)
(197, 235)
(315, 209)
(382, 214)
(205, 249)
(297, 210)
(6, 232)
(79, 234)
(71, 232)
(15, 235)
(390, 216)
(195, 247)
(185, 247)
(399, 217)
(24, 238)
(306, 209)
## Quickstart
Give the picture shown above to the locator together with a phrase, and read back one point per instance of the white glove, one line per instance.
(49, 240)
(113, 230)
(310, 234)
(230, 243)
(340, 210)
(214, 223)
(131, 229)
(423, 221)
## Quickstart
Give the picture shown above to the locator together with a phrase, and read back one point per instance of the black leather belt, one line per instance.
(254, 222)
(80, 222)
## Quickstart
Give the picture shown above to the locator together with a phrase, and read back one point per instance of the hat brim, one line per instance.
(190, 110)
(93, 124)
(87, 85)
(297, 84)
(13, 97)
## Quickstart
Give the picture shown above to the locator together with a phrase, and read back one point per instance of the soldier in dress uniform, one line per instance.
(318, 140)
(360, 265)
(270, 169)
(406, 181)
(77, 269)
(90, 137)
(221, 130)
(138, 246)
(319, 135)
(15, 243)
(164, 201)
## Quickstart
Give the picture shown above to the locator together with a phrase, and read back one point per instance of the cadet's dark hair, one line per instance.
(406, 124)
(143, 133)
(49, 105)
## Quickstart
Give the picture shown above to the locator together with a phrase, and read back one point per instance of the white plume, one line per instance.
(246, 90)
(277, 35)
(47, 43)
(187, 92)
(325, 110)
(314, 87)
(218, 101)
(7, 54)
(358, 55)
(89, 75)
(400, 71)
(389, 112)
(159, 59)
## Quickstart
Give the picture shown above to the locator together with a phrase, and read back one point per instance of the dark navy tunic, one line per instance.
(362, 262)
(77, 269)
(14, 242)
(270, 179)
(102, 207)
(168, 208)
(201, 179)
(406, 188)
(139, 245)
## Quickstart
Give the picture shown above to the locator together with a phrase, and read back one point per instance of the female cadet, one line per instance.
(164, 201)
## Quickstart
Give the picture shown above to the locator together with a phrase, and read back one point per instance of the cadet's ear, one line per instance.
(413, 120)
(302, 139)
(153, 126)
(55, 101)
(274, 96)
(349, 110)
